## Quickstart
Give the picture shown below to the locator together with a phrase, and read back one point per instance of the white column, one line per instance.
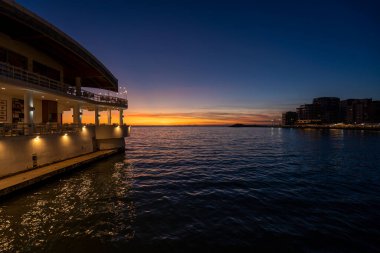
(121, 117)
(77, 118)
(96, 116)
(109, 116)
(28, 107)
(78, 84)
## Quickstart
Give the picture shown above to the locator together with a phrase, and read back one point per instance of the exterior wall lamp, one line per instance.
(32, 109)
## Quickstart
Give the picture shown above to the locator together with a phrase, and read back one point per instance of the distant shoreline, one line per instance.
(342, 127)
(333, 126)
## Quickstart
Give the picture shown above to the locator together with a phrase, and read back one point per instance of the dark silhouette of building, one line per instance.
(328, 109)
(357, 111)
(289, 118)
(347, 111)
(363, 110)
(375, 111)
(309, 113)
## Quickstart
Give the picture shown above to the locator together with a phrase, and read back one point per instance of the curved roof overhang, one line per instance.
(22, 25)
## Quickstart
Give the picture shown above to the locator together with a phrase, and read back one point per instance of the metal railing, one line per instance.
(20, 129)
(9, 71)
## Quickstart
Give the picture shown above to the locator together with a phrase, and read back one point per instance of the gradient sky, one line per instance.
(222, 62)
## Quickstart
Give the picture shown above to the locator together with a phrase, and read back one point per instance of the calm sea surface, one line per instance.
(224, 189)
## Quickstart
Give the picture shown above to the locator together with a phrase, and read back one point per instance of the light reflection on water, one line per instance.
(263, 189)
(89, 204)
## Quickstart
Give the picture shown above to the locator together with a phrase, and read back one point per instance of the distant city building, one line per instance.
(289, 118)
(328, 109)
(309, 113)
(375, 111)
(363, 110)
(357, 111)
(347, 111)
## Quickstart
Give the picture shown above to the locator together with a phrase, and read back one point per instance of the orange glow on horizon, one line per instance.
(201, 119)
(88, 117)
(174, 118)
(171, 121)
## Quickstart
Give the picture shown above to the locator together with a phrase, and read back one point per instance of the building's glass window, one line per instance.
(44, 70)
(13, 58)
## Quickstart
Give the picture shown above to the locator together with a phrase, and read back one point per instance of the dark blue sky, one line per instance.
(228, 56)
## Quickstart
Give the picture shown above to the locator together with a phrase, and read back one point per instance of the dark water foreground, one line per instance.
(223, 189)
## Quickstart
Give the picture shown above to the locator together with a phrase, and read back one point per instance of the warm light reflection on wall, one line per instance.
(38, 144)
(1, 148)
(118, 131)
(84, 131)
(65, 139)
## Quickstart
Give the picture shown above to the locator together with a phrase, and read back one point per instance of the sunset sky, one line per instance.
(223, 62)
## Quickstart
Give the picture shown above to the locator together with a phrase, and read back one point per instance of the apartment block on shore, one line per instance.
(331, 110)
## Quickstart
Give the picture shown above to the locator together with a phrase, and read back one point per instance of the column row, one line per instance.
(29, 111)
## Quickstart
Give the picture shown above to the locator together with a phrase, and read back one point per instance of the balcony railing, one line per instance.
(9, 71)
(20, 129)
(23, 129)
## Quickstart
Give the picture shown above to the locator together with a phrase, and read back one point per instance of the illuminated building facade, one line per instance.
(44, 73)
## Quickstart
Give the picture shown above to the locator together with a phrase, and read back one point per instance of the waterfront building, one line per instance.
(357, 111)
(43, 73)
(328, 108)
(363, 110)
(375, 111)
(289, 118)
(309, 113)
(347, 111)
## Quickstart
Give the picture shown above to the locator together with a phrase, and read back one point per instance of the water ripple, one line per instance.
(224, 189)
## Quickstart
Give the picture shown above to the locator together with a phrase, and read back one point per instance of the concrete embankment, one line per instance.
(342, 127)
(19, 181)
(374, 127)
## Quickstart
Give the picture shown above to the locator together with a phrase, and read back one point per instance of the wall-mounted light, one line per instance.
(2, 88)
(80, 113)
(32, 109)
(98, 115)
